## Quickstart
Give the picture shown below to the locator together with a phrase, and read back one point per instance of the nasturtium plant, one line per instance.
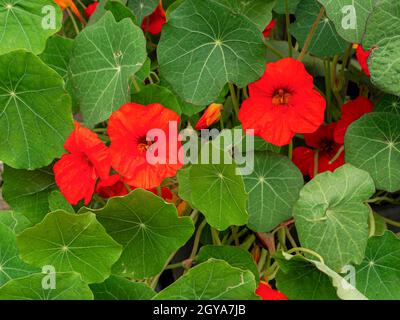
(211, 52)
(69, 287)
(199, 150)
(27, 26)
(72, 243)
(273, 188)
(212, 280)
(330, 212)
(139, 222)
(35, 112)
(373, 144)
(100, 79)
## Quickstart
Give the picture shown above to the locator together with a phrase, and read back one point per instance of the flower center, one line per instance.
(280, 97)
(144, 144)
(327, 146)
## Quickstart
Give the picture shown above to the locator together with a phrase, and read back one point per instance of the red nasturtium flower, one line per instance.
(128, 131)
(90, 9)
(268, 28)
(155, 22)
(330, 154)
(64, 4)
(77, 172)
(210, 116)
(362, 57)
(265, 291)
(351, 111)
(282, 103)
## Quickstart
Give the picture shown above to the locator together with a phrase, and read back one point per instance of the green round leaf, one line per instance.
(118, 288)
(69, 286)
(373, 144)
(35, 112)
(299, 279)
(148, 228)
(212, 280)
(57, 201)
(378, 275)
(70, 242)
(326, 41)
(273, 188)
(106, 54)
(27, 192)
(27, 25)
(349, 17)
(184, 191)
(211, 51)
(11, 266)
(218, 191)
(388, 103)
(156, 94)
(235, 256)
(332, 219)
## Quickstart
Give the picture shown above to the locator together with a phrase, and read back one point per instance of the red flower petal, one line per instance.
(155, 22)
(303, 158)
(267, 293)
(128, 129)
(282, 103)
(351, 111)
(362, 57)
(268, 28)
(317, 138)
(113, 186)
(90, 9)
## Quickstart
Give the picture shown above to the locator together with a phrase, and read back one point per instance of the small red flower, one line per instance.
(282, 103)
(113, 186)
(362, 57)
(265, 291)
(268, 28)
(128, 130)
(328, 149)
(88, 159)
(155, 22)
(65, 4)
(90, 9)
(210, 116)
(351, 111)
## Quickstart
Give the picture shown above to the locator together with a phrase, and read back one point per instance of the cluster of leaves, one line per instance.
(268, 225)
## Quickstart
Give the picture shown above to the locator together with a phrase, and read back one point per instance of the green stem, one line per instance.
(263, 258)
(197, 239)
(74, 24)
(305, 250)
(290, 238)
(290, 154)
(234, 230)
(311, 34)
(135, 84)
(391, 222)
(274, 51)
(234, 97)
(289, 36)
(215, 236)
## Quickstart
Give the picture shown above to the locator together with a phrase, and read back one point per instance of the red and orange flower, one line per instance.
(210, 116)
(77, 172)
(282, 103)
(129, 129)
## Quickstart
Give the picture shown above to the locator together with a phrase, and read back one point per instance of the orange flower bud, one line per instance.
(210, 116)
(64, 4)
